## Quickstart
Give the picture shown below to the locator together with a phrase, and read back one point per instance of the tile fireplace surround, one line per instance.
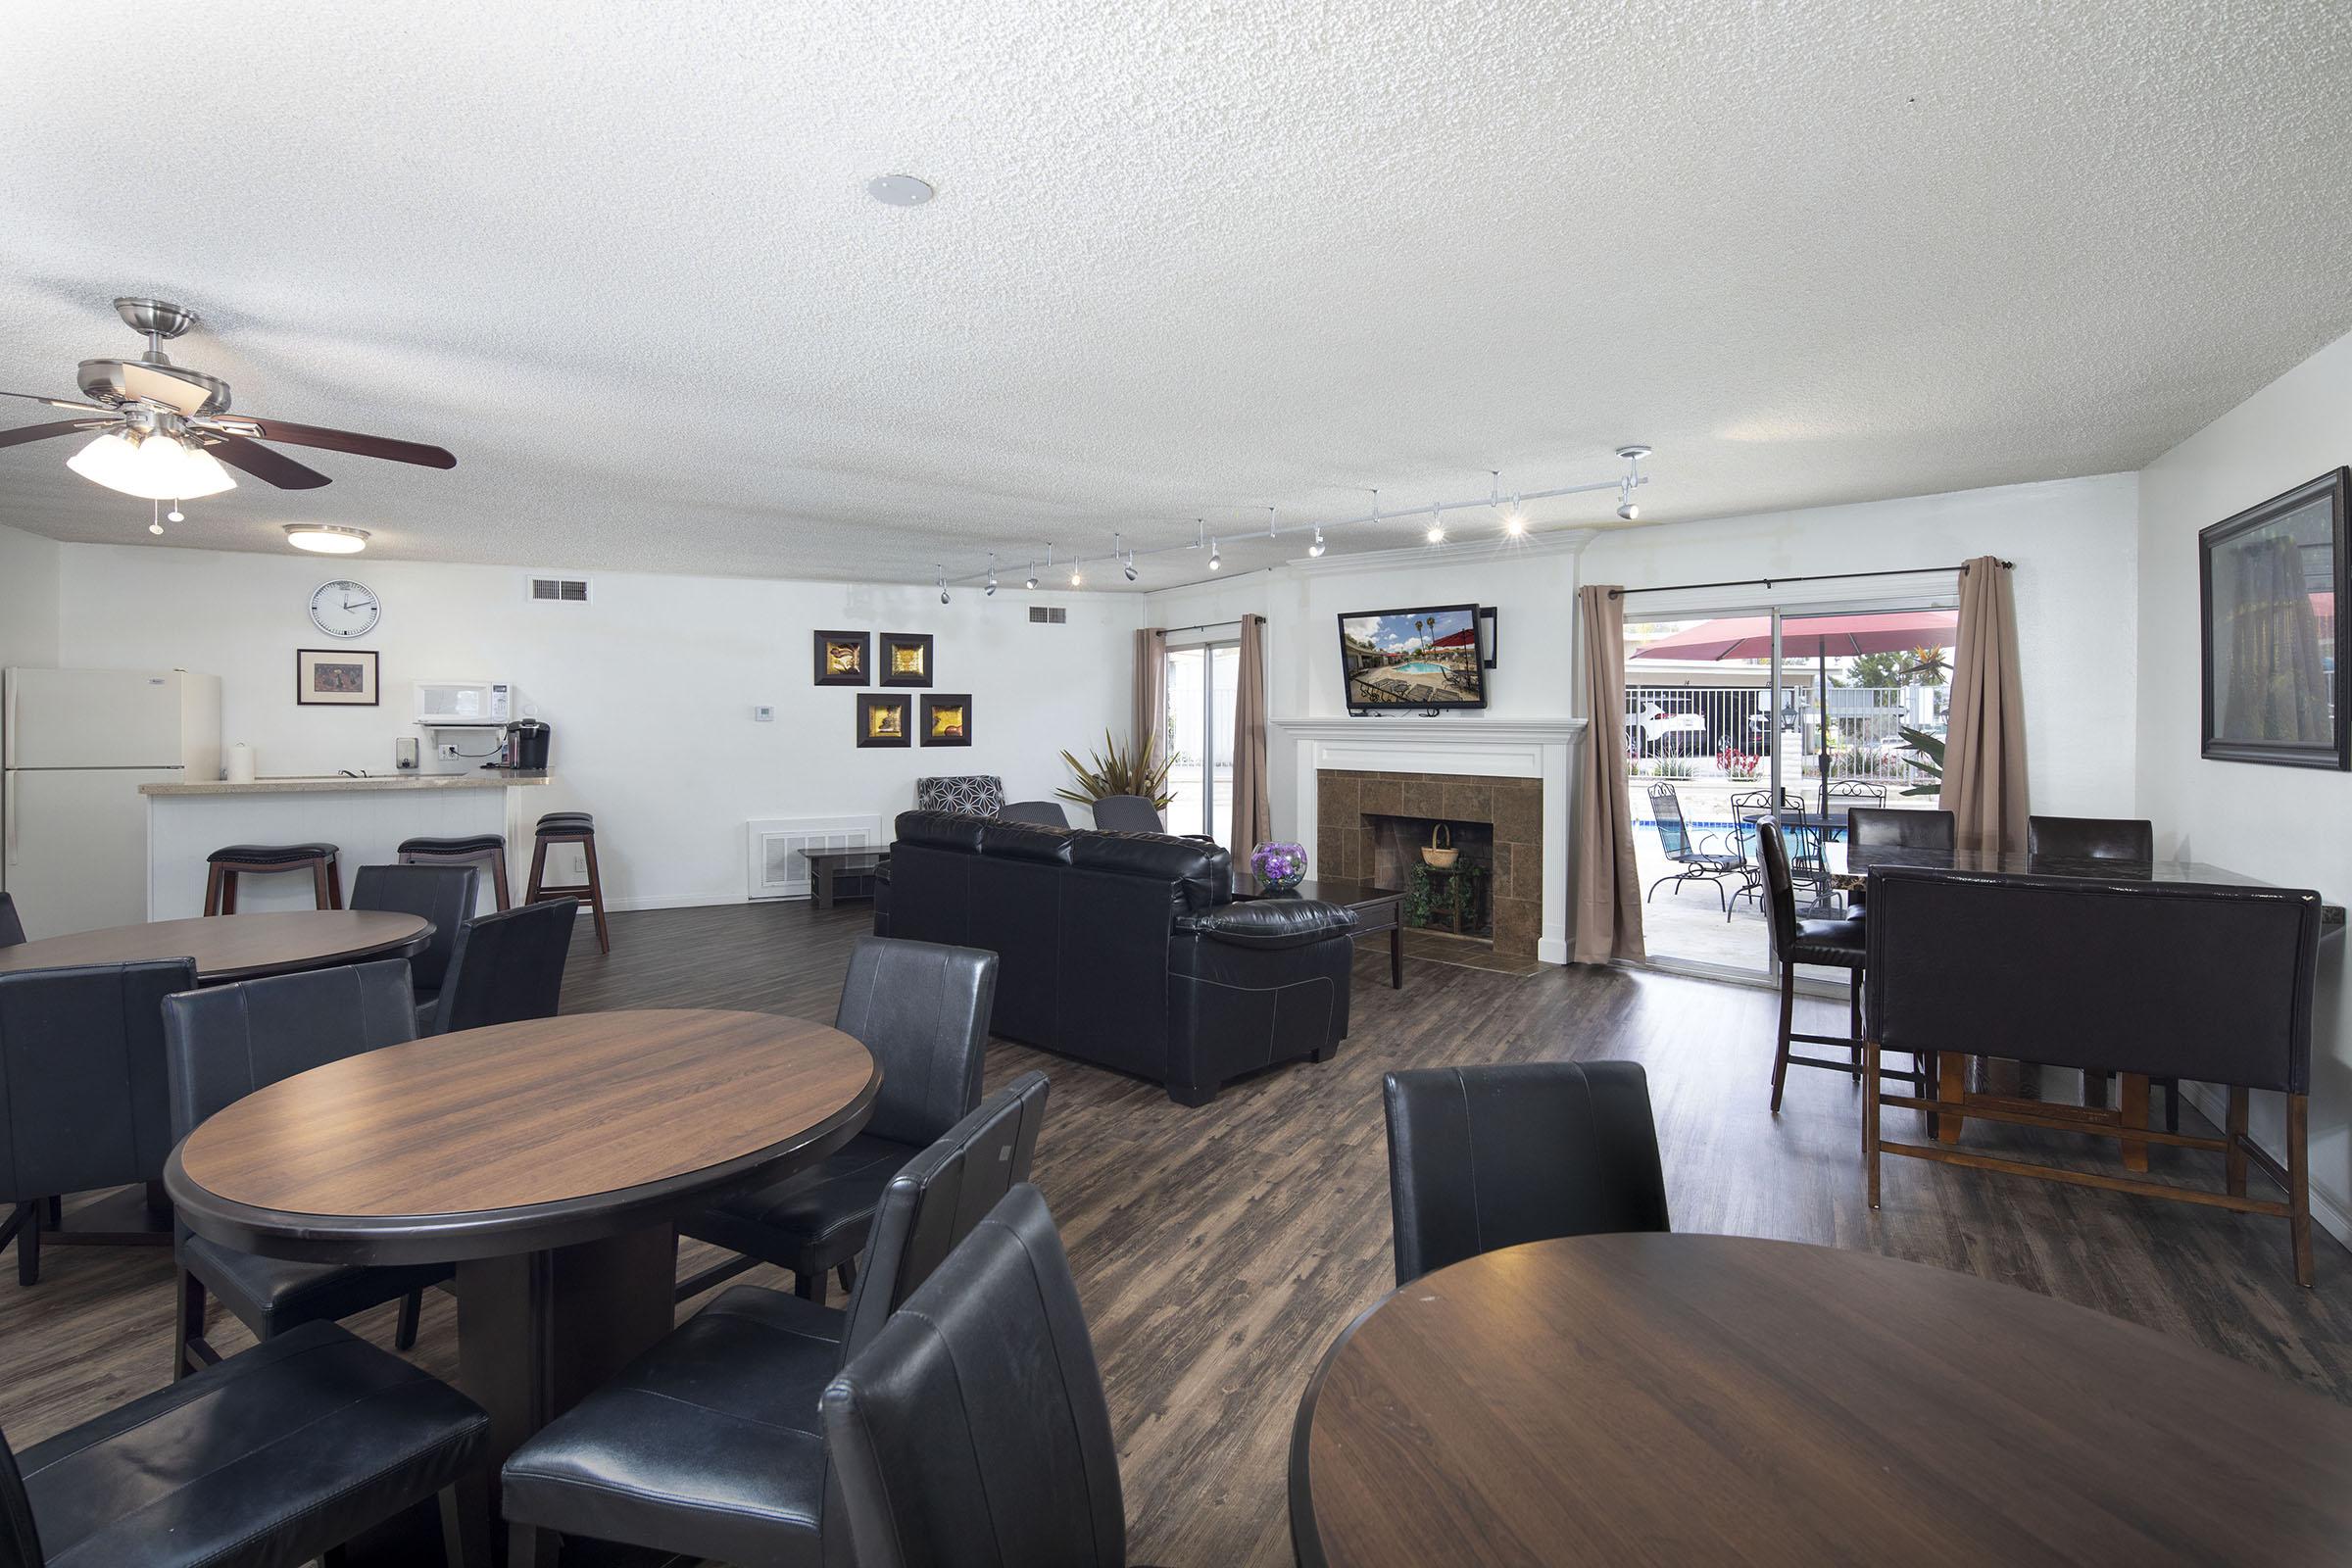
(1511, 772)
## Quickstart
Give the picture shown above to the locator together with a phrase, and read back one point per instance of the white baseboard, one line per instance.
(2331, 1217)
(671, 901)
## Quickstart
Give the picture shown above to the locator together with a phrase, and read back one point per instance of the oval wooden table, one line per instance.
(1677, 1399)
(550, 1160)
(236, 946)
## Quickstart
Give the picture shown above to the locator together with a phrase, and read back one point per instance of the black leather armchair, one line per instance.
(1126, 949)
(922, 1010)
(221, 1045)
(1492, 1157)
(990, 1360)
(707, 1445)
(2090, 838)
(442, 894)
(276, 1456)
(81, 1080)
(506, 967)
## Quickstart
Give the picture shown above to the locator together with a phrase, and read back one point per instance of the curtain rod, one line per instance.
(1207, 625)
(1819, 576)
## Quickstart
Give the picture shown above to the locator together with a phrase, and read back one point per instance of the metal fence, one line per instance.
(1712, 731)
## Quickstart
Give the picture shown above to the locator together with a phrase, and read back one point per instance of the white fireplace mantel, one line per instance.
(1496, 748)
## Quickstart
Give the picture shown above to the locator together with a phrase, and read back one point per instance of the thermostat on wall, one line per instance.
(762, 714)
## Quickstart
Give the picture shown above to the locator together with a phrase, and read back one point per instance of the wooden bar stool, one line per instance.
(488, 848)
(228, 863)
(569, 827)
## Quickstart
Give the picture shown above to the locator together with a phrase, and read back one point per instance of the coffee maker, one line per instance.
(526, 745)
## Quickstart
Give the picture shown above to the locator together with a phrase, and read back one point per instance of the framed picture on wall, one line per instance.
(335, 678)
(906, 659)
(946, 720)
(2277, 688)
(883, 720)
(842, 658)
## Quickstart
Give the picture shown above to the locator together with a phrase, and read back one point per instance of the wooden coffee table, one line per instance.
(1675, 1399)
(236, 946)
(826, 867)
(1377, 910)
(548, 1159)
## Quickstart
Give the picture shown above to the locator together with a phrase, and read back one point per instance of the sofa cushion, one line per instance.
(1270, 922)
(1027, 840)
(945, 829)
(1203, 871)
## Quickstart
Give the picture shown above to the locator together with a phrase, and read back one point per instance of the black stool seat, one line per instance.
(275, 1455)
(1829, 942)
(567, 822)
(273, 854)
(468, 845)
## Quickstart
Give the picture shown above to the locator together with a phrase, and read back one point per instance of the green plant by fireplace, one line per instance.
(1425, 906)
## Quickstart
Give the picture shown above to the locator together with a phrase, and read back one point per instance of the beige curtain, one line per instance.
(1253, 809)
(1608, 884)
(1984, 755)
(1151, 694)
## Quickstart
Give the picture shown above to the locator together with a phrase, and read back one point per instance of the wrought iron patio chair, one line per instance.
(1697, 862)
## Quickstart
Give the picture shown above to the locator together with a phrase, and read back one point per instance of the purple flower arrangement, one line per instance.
(1279, 867)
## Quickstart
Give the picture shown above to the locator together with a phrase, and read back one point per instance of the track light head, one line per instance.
(1131, 568)
(1075, 578)
(1316, 548)
(943, 583)
(1437, 525)
(1217, 562)
(1628, 512)
(1032, 582)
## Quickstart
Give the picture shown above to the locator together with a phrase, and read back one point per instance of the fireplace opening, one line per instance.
(1456, 899)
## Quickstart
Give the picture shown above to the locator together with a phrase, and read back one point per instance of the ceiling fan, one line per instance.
(164, 430)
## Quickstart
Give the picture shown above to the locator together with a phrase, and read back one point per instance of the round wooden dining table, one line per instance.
(236, 946)
(1675, 1399)
(548, 1159)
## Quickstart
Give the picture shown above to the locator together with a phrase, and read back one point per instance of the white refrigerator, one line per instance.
(75, 747)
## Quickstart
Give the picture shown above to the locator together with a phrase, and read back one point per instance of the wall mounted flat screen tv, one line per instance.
(1412, 659)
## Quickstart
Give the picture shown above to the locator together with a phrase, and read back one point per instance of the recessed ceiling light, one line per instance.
(899, 190)
(326, 538)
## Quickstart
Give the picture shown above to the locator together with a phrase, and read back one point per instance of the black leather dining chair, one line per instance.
(1491, 1156)
(82, 1101)
(1869, 827)
(221, 1045)
(506, 967)
(708, 1446)
(1044, 813)
(2090, 838)
(12, 928)
(276, 1456)
(1830, 944)
(1127, 814)
(922, 1008)
(441, 894)
(973, 1431)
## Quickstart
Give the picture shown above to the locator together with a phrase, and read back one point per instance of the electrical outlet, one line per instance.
(446, 751)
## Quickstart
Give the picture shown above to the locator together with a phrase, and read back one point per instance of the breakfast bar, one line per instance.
(367, 817)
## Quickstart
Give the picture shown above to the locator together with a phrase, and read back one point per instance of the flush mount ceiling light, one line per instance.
(151, 466)
(326, 538)
(899, 190)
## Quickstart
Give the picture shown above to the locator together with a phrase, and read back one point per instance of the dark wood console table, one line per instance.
(1377, 910)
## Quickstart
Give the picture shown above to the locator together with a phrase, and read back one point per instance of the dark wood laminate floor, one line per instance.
(1221, 1250)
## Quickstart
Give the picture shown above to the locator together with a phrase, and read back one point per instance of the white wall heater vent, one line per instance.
(780, 870)
(1048, 615)
(560, 590)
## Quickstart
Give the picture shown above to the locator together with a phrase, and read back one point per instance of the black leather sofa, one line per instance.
(1126, 949)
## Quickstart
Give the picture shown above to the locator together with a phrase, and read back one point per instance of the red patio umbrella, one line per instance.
(1816, 637)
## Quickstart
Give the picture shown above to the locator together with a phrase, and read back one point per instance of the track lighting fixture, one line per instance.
(1514, 521)
(990, 592)
(1633, 456)
(1032, 582)
(1513, 524)
(1437, 524)
(1316, 548)
(1217, 562)
(1075, 578)
(943, 583)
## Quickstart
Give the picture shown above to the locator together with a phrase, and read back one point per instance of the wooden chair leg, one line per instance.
(465, 1526)
(2298, 1184)
(531, 891)
(2235, 1133)
(187, 1324)
(1870, 1120)
(412, 1308)
(498, 879)
(596, 895)
(2133, 1104)
(1952, 1088)
(318, 892)
(212, 889)
(528, 1547)
(229, 891)
(334, 882)
(1780, 1058)
(810, 1287)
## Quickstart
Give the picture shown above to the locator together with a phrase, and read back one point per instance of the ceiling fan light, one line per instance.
(326, 538)
(156, 469)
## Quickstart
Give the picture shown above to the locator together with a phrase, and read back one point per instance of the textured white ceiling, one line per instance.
(1186, 260)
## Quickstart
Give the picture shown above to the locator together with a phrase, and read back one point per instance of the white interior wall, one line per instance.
(650, 687)
(2283, 825)
(28, 598)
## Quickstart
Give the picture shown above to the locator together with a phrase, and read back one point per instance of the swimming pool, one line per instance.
(1419, 669)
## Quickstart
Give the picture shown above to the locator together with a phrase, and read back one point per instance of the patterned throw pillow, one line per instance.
(964, 795)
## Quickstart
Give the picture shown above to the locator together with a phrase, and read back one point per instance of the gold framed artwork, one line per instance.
(946, 720)
(906, 659)
(335, 678)
(843, 658)
(884, 719)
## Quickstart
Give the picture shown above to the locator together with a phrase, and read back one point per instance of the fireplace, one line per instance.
(1458, 898)
(1371, 828)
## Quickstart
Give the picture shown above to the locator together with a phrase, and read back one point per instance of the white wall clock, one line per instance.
(345, 609)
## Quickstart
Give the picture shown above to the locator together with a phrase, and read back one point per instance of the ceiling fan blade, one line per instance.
(56, 403)
(159, 385)
(366, 446)
(263, 463)
(42, 432)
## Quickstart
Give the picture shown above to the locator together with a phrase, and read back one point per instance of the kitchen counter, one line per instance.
(365, 818)
(342, 783)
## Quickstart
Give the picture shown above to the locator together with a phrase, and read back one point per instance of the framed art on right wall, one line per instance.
(2276, 686)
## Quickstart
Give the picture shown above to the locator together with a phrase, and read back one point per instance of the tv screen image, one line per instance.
(1425, 658)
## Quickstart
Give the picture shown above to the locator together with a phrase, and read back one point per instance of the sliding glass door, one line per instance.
(1202, 679)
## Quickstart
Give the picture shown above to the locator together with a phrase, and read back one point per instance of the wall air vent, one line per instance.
(1048, 615)
(560, 590)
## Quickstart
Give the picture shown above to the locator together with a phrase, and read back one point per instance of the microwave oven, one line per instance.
(456, 704)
